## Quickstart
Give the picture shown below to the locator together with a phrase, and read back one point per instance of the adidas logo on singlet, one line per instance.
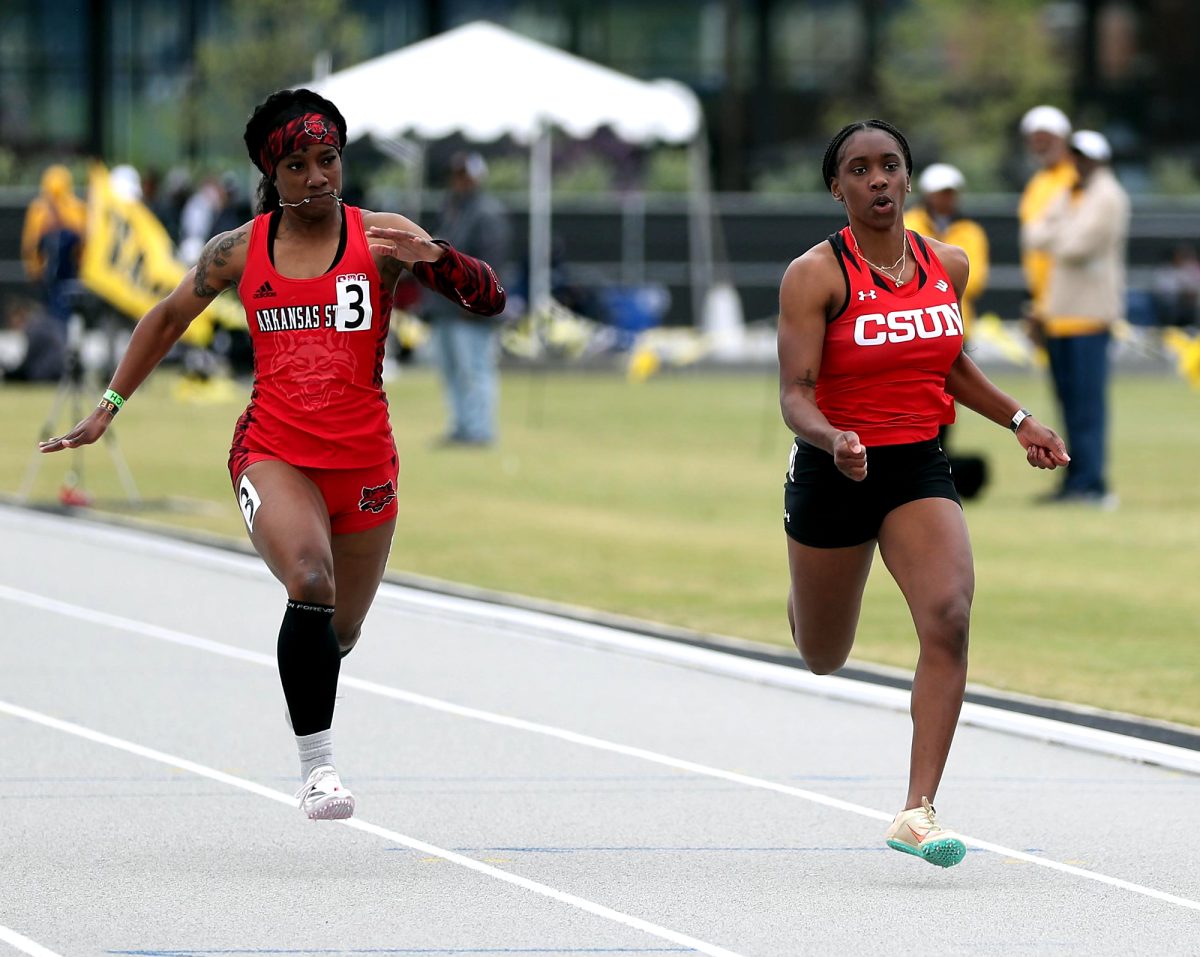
(263, 291)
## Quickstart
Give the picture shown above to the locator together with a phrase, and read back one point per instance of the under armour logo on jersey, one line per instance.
(867, 294)
(942, 285)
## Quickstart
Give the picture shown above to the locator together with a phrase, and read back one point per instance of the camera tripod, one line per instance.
(74, 388)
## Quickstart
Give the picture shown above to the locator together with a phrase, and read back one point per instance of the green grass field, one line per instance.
(663, 501)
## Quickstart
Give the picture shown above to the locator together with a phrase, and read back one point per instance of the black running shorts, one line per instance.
(825, 509)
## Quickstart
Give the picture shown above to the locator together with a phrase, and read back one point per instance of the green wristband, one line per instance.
(114, 398)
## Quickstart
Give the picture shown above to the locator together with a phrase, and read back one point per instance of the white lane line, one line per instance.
(520, 724)
(120, 623)
(24, 944)
(527, 622)
(431, 850)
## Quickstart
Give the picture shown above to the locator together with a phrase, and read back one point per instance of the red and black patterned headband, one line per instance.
(295, 134)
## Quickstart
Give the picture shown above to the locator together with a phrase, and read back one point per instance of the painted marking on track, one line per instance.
(342, 951)
(520, 724)
(24, 944)
(591, 907)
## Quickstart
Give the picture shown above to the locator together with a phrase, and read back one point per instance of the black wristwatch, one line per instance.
(1018, 417)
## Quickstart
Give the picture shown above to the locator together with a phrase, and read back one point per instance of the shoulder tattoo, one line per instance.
(216, 253)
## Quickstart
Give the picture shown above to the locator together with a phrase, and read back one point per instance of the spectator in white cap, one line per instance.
(1084, 231)
(1045, 130)
(1048, 120)
(940, 217)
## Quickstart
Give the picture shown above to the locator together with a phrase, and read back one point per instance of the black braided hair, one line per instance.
(829, 165)
(276, 108)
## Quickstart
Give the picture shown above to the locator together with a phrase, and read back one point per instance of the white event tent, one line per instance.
(485, 82)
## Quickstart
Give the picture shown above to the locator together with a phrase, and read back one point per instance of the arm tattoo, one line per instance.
(806, 381)
(216, 253)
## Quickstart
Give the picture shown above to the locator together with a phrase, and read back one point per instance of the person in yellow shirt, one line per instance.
(1046, 130)
(52, 239)
(939, 216)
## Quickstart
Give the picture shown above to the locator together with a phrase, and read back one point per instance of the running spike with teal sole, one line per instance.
(944, 853)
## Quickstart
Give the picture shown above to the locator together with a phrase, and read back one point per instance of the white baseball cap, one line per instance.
(125, 181)
(1046, 119)
(471, 163)
(939, 176)
(1091, 144)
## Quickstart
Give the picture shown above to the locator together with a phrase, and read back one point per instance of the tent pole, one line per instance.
(633, 238)
(540, 183)
(416, 183)
(700, 236)
(410, 154)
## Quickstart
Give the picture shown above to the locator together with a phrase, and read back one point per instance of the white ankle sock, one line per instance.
(315, 750)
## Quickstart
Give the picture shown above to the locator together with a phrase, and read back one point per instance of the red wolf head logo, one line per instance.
(316, 128)
(312, 369)
(378, 498)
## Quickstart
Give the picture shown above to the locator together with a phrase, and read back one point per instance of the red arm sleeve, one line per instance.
(463, 279)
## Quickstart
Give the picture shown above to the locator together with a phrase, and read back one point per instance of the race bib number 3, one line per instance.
(353, 306)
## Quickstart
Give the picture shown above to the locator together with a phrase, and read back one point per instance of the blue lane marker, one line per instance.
(409, 950)
(675, 850)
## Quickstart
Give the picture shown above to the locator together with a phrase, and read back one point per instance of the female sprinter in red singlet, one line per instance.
(870, 363)
(313, 463)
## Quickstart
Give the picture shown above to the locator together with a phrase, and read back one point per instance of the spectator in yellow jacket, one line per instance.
(939, 216)
(52, 239)
(940, 187)
(1046, 130)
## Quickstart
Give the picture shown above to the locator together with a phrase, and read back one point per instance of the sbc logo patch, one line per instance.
(378, 498)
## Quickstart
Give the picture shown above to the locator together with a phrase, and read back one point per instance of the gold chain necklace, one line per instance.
(886, 270)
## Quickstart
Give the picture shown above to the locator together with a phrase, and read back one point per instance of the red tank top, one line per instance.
(888, 350)
(318, 398)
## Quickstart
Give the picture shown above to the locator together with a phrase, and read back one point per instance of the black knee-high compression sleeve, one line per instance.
(309, 662)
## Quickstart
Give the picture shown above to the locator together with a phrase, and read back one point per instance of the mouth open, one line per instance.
(882, 202)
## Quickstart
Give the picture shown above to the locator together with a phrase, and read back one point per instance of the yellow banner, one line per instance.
(129, 261)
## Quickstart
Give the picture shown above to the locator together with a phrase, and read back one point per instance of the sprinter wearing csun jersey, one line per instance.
(870, 361)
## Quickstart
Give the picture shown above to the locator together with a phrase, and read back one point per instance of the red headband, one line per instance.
(295, 134)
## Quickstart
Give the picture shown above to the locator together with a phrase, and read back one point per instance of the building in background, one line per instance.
(126, 81)
(110, 77)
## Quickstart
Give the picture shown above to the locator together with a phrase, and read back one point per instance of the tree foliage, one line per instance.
(261, 46)
(956, 77)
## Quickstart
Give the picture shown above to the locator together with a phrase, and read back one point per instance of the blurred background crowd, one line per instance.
(157, 91)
